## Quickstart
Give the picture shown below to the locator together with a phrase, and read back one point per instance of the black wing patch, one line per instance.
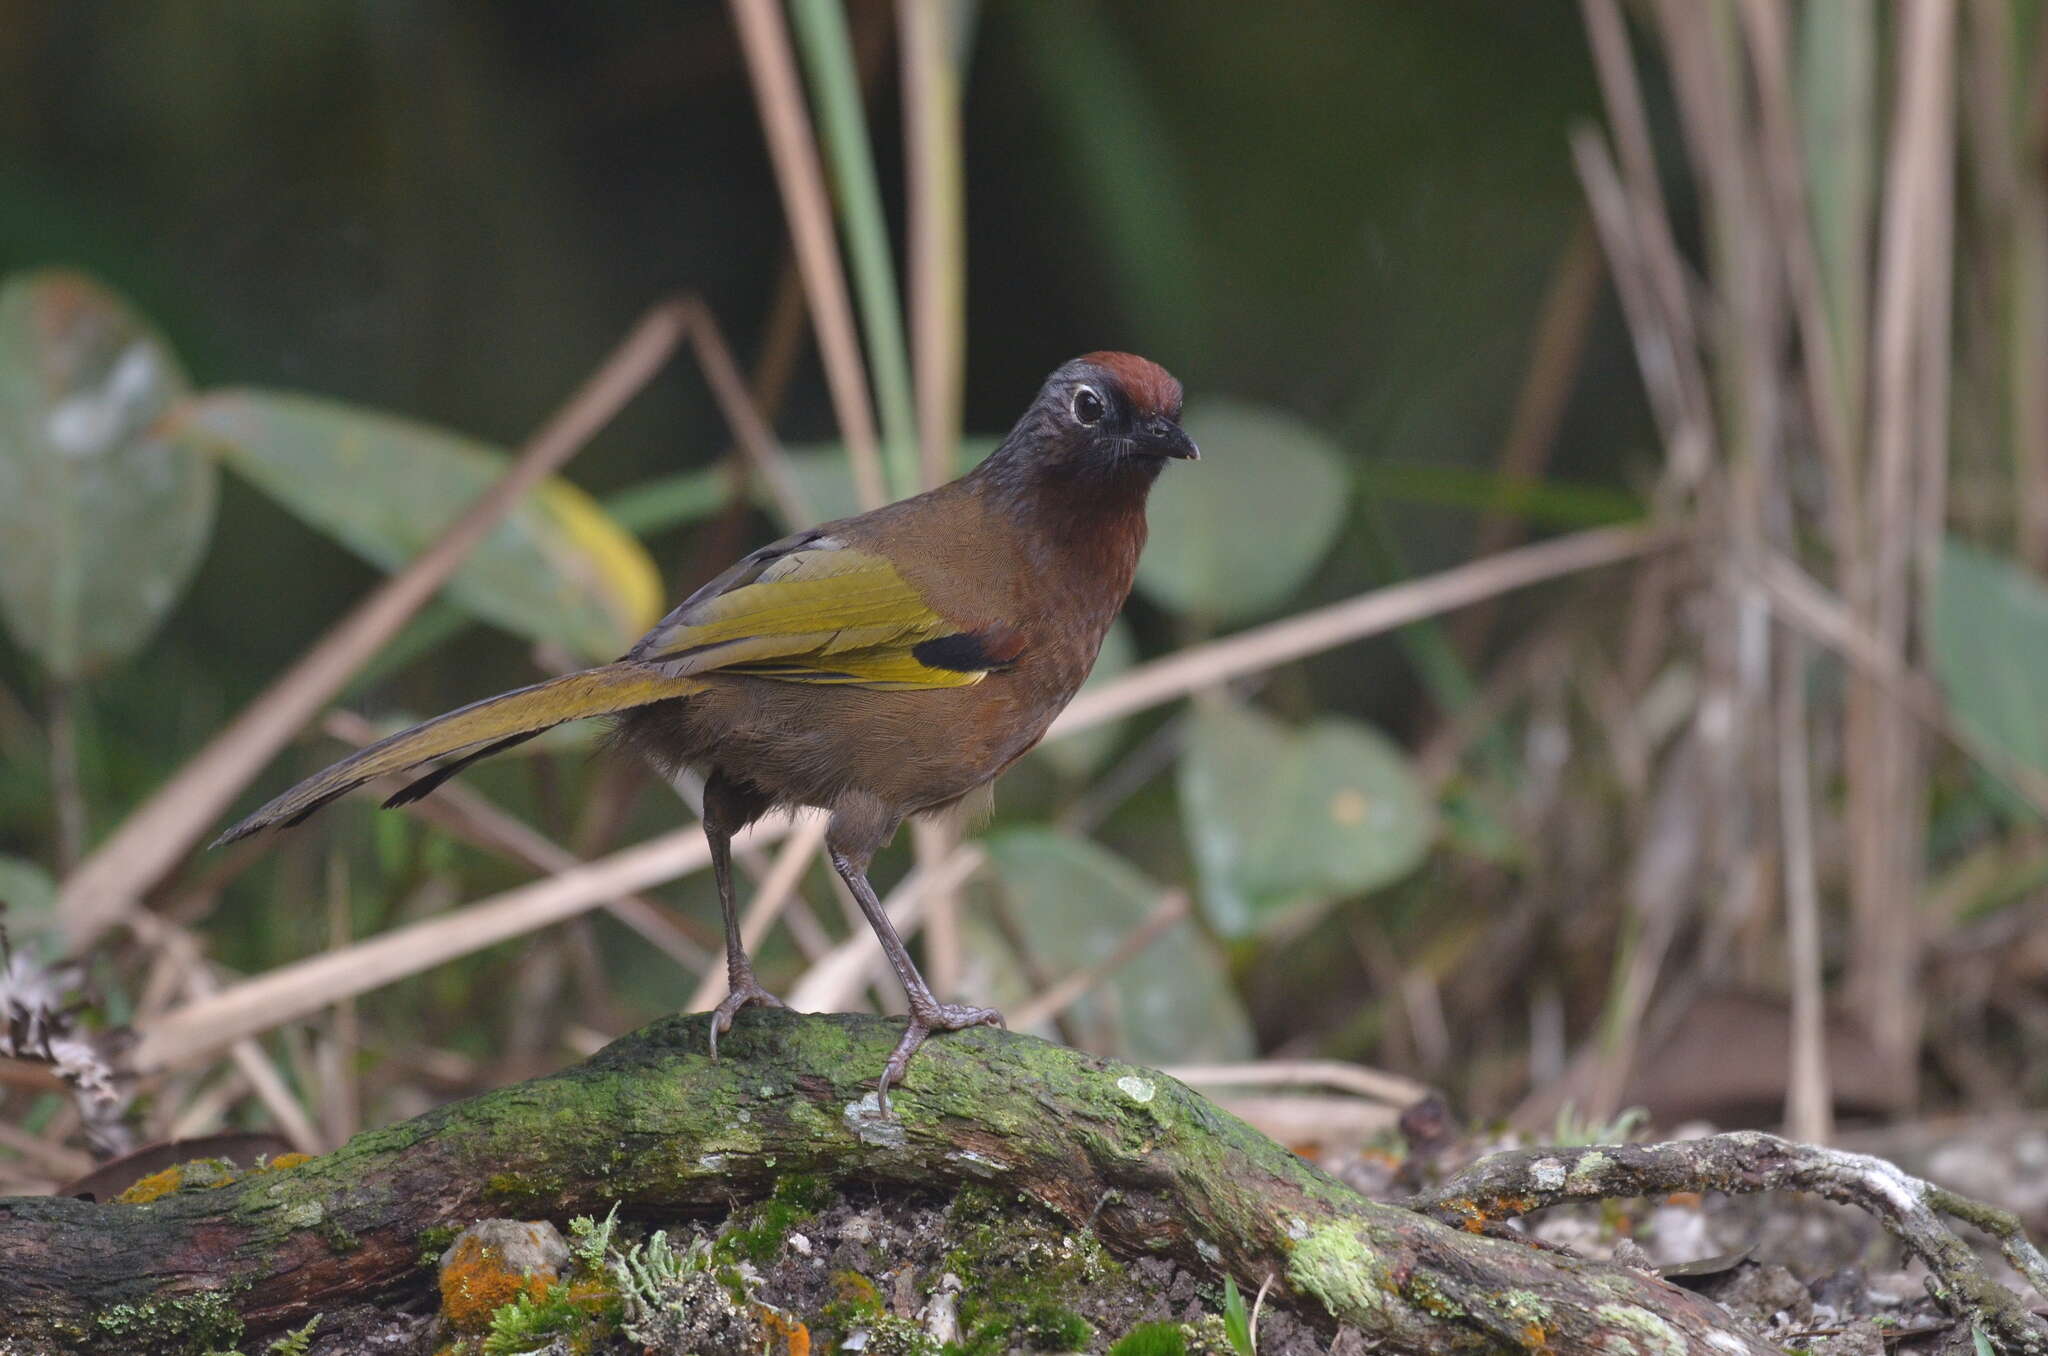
(971, 651)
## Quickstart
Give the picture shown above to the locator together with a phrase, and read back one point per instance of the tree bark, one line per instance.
(652, 1123)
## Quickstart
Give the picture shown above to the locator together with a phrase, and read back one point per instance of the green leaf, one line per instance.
(102, 521)
(1214, 552)
(1989, 634)
(1278, 817)
(556, 569)
(1077, 755)
(1074, 901)
(1237, 1324)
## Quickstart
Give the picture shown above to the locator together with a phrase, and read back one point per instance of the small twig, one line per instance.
(1377, 1084)
(54, 1159)
(1258, 1303)
(66, 793)
(750, 428)
(1745, 1162)
(340, 1101)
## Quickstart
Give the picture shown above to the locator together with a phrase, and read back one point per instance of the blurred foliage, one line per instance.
(1277, 818)
(102, 519)
(557, 569)
(1208, 556)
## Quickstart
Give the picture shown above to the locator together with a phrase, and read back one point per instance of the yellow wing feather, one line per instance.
(819, 613)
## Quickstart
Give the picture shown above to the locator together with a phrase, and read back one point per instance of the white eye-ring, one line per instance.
(1088, 406)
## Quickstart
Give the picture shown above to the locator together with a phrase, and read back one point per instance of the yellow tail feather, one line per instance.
(472, 730)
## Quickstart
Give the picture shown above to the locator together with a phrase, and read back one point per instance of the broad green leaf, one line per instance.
(1278, 817)
(1077, 755)
(1234, 534)
(1989, 630)
(556, 569)
(1074, 901)
(102, 520)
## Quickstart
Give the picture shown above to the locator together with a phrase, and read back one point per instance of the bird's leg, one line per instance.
(742, 988)
(927, 1013)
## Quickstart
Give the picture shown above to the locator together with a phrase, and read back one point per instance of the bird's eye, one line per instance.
(1088, 407)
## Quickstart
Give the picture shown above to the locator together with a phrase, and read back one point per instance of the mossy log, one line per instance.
(652, 1123)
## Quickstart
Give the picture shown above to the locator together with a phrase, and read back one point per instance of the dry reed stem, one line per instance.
(1886, 779)
(154, 837)
(1556, 353)
(936, 249)
(1809, 1105)
(742, 415)
(1392, 1089)
(786, 121)
(52, 1159)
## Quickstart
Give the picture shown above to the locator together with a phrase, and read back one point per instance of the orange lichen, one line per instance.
(1535, 1339)
(476, 1283)
(283, 1162)
(853, 1288)
(784, 1333)
(155, 1185)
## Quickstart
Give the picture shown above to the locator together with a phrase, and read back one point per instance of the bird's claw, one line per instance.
(744, 992)
(926, 1021)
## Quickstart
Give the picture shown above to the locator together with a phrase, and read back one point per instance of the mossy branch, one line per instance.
(1742, 1162)
(653, 1123)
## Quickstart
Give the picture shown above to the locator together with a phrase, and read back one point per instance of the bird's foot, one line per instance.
(925, 1020)
(745, 990)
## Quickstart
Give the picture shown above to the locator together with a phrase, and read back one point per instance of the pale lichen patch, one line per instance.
(1139, 1090)
(980, 1165)
(1336, 1265)
(1586, 1173)
(871, 1125)
(1653, 1336)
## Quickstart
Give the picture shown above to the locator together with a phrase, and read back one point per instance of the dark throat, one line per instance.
(1084, 518)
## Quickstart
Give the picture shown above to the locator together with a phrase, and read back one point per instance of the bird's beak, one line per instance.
(1164, 438)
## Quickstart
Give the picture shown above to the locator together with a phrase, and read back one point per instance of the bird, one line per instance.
(877, 667)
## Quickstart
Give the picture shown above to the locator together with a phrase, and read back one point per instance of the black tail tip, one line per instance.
(237, 833)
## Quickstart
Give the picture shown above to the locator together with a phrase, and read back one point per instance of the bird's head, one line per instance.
(1110, 414)
(1120, 405)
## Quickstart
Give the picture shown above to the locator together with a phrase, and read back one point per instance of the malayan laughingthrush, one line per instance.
(876, 667)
